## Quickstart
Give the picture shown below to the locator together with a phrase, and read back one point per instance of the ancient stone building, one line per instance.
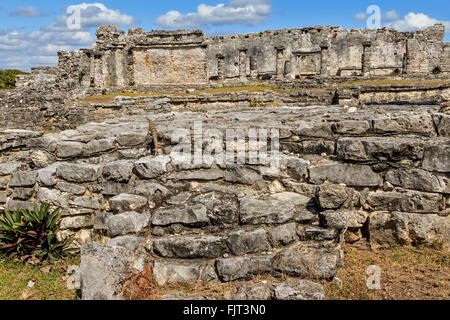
(142, 58)
(368, 161)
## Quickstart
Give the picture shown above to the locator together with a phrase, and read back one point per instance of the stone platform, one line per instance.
(378, 172)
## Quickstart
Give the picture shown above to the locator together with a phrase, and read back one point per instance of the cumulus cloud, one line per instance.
(411, 22)
(385, 17)
(391, 16)
(234, 12)
(39, 47)
(360, 16)
(416, 21)
(28, 12)
(96, 14)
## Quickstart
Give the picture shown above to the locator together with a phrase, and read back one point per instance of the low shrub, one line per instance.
(8, 78)
(32, 235)
(257, 104)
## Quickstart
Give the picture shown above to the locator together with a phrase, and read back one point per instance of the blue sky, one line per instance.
(32, 31)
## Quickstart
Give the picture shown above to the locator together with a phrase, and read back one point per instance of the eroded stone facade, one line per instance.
(142, 58)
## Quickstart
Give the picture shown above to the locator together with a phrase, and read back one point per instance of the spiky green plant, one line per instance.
(32, 235)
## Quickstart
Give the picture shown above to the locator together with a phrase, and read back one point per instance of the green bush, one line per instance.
(8, 78)
(31, 235)
(257, 104)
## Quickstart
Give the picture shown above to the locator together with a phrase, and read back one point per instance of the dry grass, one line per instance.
(110, 97)
(256, 88)
(50, 285)
(396, 82)
(142, 287)
(260, 88)
(407, 274)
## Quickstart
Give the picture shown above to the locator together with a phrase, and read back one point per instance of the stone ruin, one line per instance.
(142, 58)
(357, 162)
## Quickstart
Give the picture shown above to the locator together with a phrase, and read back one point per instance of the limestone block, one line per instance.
(350, 174)
(284, 234)
(254, 211)
(190, 247)
(241, 242)
(191, 216)
(78, 173)
(411, 201)
(299, 290)
(23, 179)
(127, 202)
(127, 223)
(230, 269)
(304, 262)
(119, 171)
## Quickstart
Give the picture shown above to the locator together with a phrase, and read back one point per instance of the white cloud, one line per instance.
(391, 16)
(411, 22)
(33, 46)
(360, 16)
(39, 47)
(97, 14)
(28, 12)
(386, 17)
(235, 12)
(416, 21)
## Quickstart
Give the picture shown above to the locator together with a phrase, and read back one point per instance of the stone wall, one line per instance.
(46, 110)
(379, 172)
(142, 58)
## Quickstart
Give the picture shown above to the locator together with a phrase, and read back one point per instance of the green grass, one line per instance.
(110, 97)
(398, 82)
(14, 279)
(256, 88)
(8, 78)
(259, 88)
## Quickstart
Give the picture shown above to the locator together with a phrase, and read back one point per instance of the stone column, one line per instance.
(253, 67)
(130, 67)
(98, 69)
(243, 65)
(366, 57)
(220, 67)
(324, 59)
(280, 63)
(287, 69)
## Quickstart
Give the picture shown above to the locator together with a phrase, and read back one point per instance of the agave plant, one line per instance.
(32, 234)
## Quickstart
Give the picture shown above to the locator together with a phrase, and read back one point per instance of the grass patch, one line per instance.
(110, 97)
(51, 285)
(8, 78)
(260, 88)
(256, 88)
(407, 274)
(396, 82)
